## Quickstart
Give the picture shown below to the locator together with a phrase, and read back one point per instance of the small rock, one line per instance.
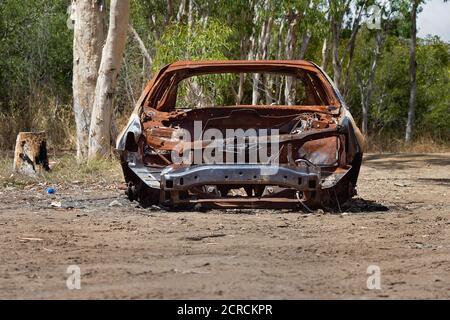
(55, 204)
(400, 184)
(115, 203)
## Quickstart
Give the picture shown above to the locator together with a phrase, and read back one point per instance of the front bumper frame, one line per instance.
(306, 178)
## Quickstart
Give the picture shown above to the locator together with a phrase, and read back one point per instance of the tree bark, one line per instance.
(190, 14)
(367, 87)
(412, 74)
(291, 40)
(338, 10)
(100, 129)
(351, 48)
(181, 10)
(325, 54)
(304, 46)
(88, 39)
(128, 86)
(253, 53)
(262, 53)
(335, 35)
(326, 47)
(240, 93)
(365, 115)
(267, 80)
(169, 12)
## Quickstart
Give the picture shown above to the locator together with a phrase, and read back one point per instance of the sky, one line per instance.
(435, 19)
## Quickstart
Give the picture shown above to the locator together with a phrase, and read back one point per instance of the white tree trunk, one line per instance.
(240, 94)
(181, 10)
(325, 54)
(89, 36)
(291, 40)
(254, 52)
(366, 88)
(169, 12)
(351, 49)
(412, 74)
(326, 46)
(304, 46)
(100, 129)
(335, 37)
(267, 81)
(190, 14)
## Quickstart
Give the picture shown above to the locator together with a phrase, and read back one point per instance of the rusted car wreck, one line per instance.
(280, 137)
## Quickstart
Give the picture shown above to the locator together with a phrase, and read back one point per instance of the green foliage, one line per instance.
(433, 58)
(208, 41)
(35, 64)
(35, 46)
(390, 98)
(179, 42)
(36, 59)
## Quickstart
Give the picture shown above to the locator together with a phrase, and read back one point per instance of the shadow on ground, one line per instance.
(359, 205)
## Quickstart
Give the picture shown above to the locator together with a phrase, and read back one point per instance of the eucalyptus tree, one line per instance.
(412, 72)
(340, 10)
(100, 135)
(88, 39)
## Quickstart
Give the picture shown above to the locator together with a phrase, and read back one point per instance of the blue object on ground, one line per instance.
(51, 190)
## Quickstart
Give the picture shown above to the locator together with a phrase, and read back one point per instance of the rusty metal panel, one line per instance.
(321, 139)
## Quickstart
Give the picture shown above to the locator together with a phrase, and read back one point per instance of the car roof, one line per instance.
(192, 68)
(238, 63)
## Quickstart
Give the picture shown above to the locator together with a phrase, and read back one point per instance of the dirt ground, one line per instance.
(400, 222)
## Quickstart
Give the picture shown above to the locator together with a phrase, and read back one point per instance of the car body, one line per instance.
(318, 147)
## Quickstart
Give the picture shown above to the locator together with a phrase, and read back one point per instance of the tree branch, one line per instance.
(142, 47)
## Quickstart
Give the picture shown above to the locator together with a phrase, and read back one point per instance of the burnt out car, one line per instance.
(247, 134)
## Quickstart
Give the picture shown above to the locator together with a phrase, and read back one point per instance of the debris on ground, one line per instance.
(115, 203)
(56, 204)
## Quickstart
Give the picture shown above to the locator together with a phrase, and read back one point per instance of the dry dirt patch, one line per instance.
(128, 252)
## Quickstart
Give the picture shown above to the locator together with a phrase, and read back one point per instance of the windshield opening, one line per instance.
(227, 89)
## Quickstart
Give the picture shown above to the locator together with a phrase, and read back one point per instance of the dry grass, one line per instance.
(65, 170)
(48, 114)
(423, 144)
